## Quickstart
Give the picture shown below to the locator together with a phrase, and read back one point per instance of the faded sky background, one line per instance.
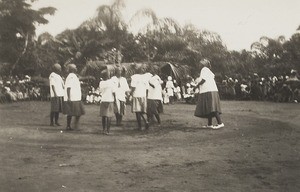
(239, 22)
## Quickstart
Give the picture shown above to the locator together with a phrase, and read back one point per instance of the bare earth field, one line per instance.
(258, 150)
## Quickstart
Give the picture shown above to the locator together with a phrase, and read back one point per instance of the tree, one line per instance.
(292, 54)
(276, 56)
(155, 33)
(109, 20)
(17, 32)
(46, 53)
(155, 25)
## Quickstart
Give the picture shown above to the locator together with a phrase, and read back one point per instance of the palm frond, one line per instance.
(47, 10)
(118, 5)
(142, 14)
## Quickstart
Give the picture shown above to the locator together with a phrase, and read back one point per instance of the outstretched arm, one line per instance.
(201, 82)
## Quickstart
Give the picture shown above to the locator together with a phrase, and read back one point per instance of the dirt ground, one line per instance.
(258, 150)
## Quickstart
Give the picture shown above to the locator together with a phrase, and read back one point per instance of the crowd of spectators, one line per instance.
(253, 87)
(22, 88)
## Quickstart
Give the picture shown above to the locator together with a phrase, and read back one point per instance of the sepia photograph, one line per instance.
(149, 95)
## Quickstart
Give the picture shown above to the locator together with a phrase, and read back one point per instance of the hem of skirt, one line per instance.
(207, 115)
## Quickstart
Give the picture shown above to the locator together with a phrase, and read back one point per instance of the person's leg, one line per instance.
(120, 119)
(145, 121)
(157, 118)
(77, 122)
(108, 121)
(209, 119)
(149, 117)
(218, 117)
(69, 119)
(220, 124)
(122, 110)
(117, 118)
(104, 124)
(52, 118)
(138, 119)
(56, 116)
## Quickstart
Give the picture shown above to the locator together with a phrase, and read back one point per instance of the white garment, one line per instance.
(107, 89)
(243, 88)
(140, 83)
(177, 92)
(209, 85)
(166, 99)
(170, 88)
(155, 92)
(73, 83)
(121, 87)
(56, 81)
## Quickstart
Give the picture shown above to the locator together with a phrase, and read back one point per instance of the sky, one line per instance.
(238, 22)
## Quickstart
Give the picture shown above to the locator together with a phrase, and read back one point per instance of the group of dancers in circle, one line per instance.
(145, 91)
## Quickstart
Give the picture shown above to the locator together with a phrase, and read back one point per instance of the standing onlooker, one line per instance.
(208, 105)
(56, 94)
(154, 101)
(170, 89)
(107, 90)
(121, 91)
(139, 85)
(165, 97)
(72, 97)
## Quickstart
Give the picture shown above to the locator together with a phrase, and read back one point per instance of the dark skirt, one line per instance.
(119, 107)
(208, 104)
(56, 104)
(107, 109)
(139, 104)
(154, 107)
(73, 108)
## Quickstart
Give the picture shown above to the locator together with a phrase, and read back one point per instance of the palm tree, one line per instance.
(109, 17)
(45, 52)
(20, 21)
(153, 32)
(109, 21)
(155, 25)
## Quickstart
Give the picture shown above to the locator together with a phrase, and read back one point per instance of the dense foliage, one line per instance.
(107, 38)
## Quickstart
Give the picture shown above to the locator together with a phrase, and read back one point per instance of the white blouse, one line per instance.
(56, 81)
(107, 88)
(141, 85)
(209, 85)
(121, 87)
(73, 82)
